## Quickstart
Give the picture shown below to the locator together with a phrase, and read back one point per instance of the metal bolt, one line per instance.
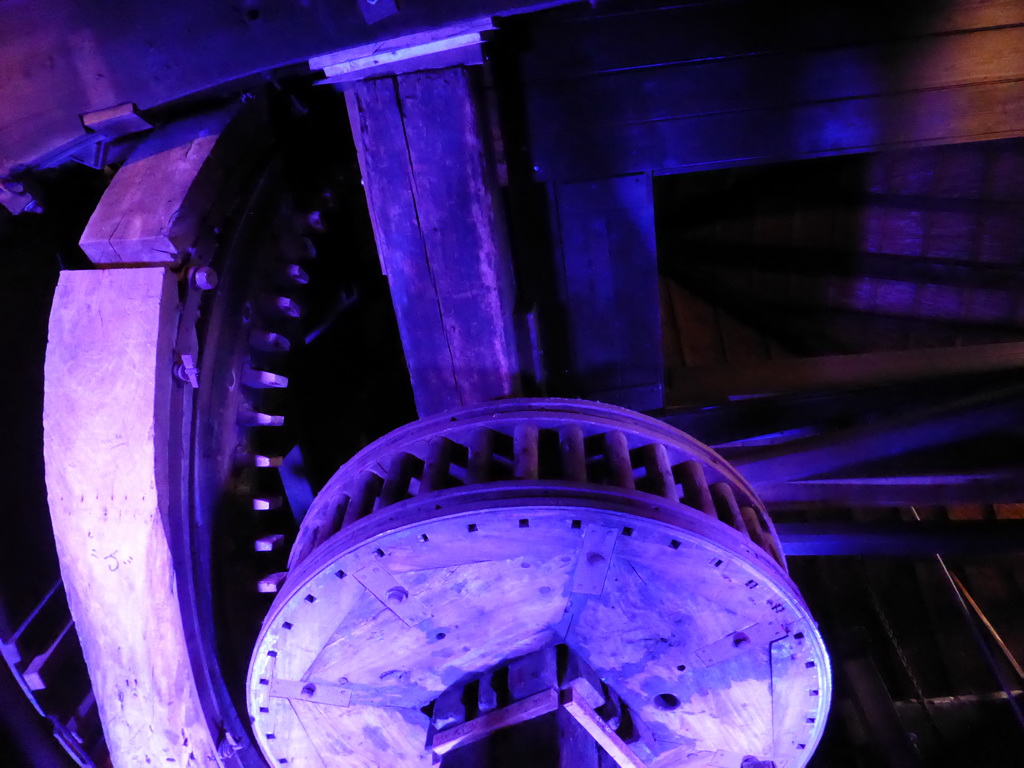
(297, 274)
(203, 278)
(186, 371)
(229, 744)
(397, 595)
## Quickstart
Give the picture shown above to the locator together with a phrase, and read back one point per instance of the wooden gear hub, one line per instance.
(460, 543)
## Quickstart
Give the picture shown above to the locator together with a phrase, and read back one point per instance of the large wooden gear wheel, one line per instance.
(448, 552)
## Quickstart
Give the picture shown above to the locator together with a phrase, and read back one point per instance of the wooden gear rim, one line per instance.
(677, 527)
(362, 481)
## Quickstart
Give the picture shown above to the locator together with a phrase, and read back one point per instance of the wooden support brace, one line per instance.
(483, 726)
(431, 49)
(834, 372)
(916, 429)
(153, 210)
(602, 732)
(41, 668)
(113, 122)
(581, 677)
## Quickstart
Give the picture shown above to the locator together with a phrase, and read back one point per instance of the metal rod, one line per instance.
(979, 638)
(988, 625)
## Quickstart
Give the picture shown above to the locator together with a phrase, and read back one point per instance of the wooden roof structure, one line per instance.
(792, 229)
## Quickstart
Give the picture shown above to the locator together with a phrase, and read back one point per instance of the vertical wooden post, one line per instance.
(424, 150)
(608, 263)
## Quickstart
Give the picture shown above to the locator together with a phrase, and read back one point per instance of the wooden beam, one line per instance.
(896, 491)
(431, 49)
(577, 706)
(650, 34)
(901, 539)
(190, 163)
(835, 372)
(820, 330)
(607, 263)
(875, 706)
(983, 111)
(941, 301)
(775, 418)
(40, 122)
(114, 122)
(429, 176)
(698, 93)
(927, 427)
(771, 78)
(481, 727)
(28, 737)
(698, 257)
(106, 410)
(40, 672)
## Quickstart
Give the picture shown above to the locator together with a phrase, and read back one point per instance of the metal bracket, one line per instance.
(594, 559)
(308, 690)
(382, 585)
(186, 370)
(740, 642)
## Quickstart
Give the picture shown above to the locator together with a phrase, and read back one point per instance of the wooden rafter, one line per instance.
(933, 425)
(711, 384)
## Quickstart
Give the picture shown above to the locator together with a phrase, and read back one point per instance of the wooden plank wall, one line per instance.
(626, 89)
(430, 180)
(106, 430)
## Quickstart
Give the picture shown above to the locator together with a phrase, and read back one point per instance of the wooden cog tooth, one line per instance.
(303, 249)
(270, 543)
(267, 461)
(271, 583)
(256, 379)
(250, 418)
(245, 459)
(728, 510)
(295, 274)
(619, 463)
(264, 503)
(280, 306)
(267, 341)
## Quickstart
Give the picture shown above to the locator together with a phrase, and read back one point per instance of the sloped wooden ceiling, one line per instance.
(908, 249)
